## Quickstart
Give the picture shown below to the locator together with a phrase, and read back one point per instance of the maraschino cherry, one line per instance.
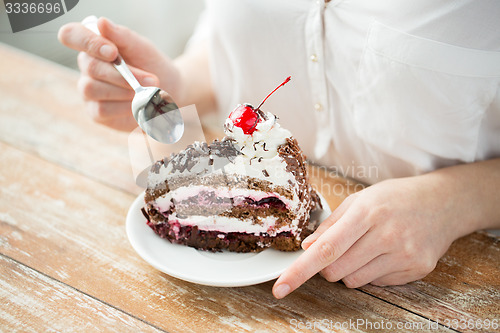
(246, 117)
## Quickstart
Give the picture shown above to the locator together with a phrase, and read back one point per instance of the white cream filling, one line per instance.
(232, 224)
(163, 203)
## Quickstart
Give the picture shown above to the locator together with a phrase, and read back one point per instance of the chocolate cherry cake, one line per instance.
(245, 193)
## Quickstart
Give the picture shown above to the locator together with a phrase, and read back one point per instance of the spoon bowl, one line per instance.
(157, 114)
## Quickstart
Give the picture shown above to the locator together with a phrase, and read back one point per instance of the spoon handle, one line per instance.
(90, 22)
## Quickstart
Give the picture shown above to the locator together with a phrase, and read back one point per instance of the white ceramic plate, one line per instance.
(221, 269)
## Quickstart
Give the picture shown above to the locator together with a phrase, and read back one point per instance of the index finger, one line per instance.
(332, 244)
(77, 37)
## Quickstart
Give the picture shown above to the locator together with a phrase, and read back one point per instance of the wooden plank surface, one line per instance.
(33, 302)
(62, 214)
(42, 113)
(462, 292)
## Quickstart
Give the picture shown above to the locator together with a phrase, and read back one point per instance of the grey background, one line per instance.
(168, 23)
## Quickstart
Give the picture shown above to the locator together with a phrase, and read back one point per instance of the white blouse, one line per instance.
(379, 89)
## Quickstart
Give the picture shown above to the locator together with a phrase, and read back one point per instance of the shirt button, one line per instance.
(314, 58)
(318, 107)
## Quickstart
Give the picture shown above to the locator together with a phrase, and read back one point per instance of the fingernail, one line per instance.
(281, 290)
(106, 51)
(308, 239)
(149, 81)
(307, 242)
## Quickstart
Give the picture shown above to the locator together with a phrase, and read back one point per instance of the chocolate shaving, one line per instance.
(261, 113)
(188, 158)
(260, 159)
(211, 161)
(227, 128)
(254, 125)
(145, 213)
(266, 174)
(264, 147)
(157, 166)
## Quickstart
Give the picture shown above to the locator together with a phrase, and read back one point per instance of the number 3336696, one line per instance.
(32, 8)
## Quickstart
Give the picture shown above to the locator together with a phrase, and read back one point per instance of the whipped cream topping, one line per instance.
(264, 141)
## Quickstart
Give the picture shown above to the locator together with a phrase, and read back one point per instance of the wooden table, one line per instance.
(66, 264)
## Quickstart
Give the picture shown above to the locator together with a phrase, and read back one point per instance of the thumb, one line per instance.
(146, 79)
(135, 49)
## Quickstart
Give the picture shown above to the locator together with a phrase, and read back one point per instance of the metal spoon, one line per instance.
(154, 110)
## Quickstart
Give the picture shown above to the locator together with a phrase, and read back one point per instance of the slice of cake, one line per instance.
(245, 193)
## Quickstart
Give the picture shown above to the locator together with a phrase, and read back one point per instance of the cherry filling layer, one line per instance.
(215, 203)
(270, 202)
